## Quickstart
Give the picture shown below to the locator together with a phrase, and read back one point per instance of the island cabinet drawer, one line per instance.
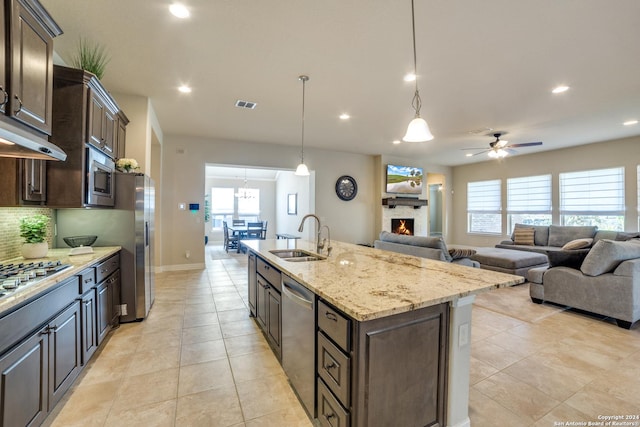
(330, 412)
(334, 367)
(87, 279)
(269, 272)
(335, 325)
(105, 268)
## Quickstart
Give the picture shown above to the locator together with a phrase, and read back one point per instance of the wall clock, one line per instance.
(346, 188)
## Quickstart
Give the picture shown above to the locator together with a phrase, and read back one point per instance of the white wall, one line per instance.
(288, 183)
(183, 166)
(616, 153)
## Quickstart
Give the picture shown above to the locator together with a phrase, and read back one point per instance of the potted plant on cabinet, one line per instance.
(34, 231)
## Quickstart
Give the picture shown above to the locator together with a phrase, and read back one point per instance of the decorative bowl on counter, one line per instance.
(75, 241)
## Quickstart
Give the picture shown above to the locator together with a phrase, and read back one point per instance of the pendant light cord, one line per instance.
(304, 81)
(416, 102)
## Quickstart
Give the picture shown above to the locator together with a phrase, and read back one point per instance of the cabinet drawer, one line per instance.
(270, 273)
(105, 268)
(87, 279)
(335, 325)
(330, 412)
(334, 368)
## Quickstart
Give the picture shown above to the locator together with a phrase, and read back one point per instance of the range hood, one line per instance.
(18, 143)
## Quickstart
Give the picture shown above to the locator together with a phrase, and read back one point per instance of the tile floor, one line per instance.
(199, 360)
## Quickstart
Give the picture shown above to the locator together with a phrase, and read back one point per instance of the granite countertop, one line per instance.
(368, 283)
(77, 262)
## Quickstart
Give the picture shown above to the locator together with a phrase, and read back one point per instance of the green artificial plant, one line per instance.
(34, 228)
(91, 57)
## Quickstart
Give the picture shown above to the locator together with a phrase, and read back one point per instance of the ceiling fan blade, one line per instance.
(475, 148)
(481, 152)
(526, 144)
(510, 150)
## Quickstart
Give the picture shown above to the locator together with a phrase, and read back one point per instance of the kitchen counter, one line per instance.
(77, 262)
(369, 283)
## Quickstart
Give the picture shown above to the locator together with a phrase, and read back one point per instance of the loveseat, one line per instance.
(425, 247)
(552, 238)
(605, 281)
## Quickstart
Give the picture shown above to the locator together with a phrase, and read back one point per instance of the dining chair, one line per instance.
(238, 222)
(254, 230)
(230, 240)
(263, 235)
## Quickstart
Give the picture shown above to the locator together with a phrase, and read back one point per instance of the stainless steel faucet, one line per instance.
(329, 248)
(319, 244)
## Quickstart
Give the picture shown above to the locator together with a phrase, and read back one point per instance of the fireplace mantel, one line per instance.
(392, 202)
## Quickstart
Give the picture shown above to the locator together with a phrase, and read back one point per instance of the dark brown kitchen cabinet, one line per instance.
(121, 136)
(102, 128)
(24, 182)
(268, 304)
(24, 373)
(65, 343)
(253, 284)
(107, 295)
(27, 80)
(89, 317)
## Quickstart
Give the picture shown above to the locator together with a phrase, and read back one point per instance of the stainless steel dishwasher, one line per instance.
(298, 340)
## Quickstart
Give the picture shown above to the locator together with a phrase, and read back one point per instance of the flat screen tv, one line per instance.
(404, 179)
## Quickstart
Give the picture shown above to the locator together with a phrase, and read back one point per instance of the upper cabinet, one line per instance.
(26, 64)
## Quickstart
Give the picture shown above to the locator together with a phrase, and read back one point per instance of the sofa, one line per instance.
(605, 281)
(424, 247)
(552, 238)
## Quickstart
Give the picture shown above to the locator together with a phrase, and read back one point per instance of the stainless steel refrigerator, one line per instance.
(130, 225)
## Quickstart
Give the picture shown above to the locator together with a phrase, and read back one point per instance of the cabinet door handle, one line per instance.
(329, 416)
(45, 331)
(330, 366)
(331, 316)
(88, 280)
(6, 97)
(19, 102)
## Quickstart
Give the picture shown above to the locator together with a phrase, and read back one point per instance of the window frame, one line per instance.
(481, 206)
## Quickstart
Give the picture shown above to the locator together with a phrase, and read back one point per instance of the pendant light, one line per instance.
(302, 169)
(244, 193)
(418, 129)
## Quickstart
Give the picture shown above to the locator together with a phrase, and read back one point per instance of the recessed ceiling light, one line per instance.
(409, 77)
(560, 89)
(184, 89)
(396, 142)
(630, 122)
(468, 155)
(344, 116)
(179, 10)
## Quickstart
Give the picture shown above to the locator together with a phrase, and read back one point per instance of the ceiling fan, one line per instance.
(499, 148)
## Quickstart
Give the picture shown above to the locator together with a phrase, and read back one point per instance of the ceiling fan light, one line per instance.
(418, 131)
(302, 170)
(493, 154)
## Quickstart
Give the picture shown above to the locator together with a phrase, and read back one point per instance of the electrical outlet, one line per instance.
(123, 310)
(463, 335)
(187, 254)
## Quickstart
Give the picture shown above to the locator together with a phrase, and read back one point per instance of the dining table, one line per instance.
(241, 231)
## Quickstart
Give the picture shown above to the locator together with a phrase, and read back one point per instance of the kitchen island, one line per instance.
(392, 331)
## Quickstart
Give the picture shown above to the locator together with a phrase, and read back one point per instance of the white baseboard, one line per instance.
(180, 267)
(464, 423)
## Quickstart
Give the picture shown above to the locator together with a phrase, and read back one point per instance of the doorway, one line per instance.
(435, 184)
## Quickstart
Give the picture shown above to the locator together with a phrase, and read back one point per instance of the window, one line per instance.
(593, 197)
(529, 200)
(484, 207)
(222, 206)
(249, 205)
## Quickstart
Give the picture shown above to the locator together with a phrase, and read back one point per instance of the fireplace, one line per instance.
(402, 226)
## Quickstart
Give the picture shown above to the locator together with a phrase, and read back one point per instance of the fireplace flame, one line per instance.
(402, 228)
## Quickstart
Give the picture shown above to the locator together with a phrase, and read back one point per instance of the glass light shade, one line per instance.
(302, 170)
(418, 131)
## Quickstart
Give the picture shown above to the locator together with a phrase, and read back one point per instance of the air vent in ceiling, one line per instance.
(246, 104)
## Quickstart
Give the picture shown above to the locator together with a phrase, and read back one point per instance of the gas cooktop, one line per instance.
(18, 275)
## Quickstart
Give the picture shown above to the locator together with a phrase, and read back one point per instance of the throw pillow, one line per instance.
(623, 237)
(606, 255)
(524, 236)
(572, 259)
(578, 244)
(458, 253)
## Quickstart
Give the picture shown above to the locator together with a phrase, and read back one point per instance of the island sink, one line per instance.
(296, 255)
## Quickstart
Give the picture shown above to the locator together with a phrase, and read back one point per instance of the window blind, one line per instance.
(529, 194)
(592, 192)
(484, 197)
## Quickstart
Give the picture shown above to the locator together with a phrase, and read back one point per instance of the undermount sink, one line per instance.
(296, 255)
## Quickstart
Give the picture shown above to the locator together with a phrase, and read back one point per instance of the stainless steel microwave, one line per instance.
(101, 181)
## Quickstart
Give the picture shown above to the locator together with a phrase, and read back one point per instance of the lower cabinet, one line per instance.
(24, 374)
(268, 303)
(88, 314)
(40, 369)
(108, 304)
(253, 285)
(65, 344)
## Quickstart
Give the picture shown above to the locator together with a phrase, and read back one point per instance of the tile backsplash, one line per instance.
(10, 240)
